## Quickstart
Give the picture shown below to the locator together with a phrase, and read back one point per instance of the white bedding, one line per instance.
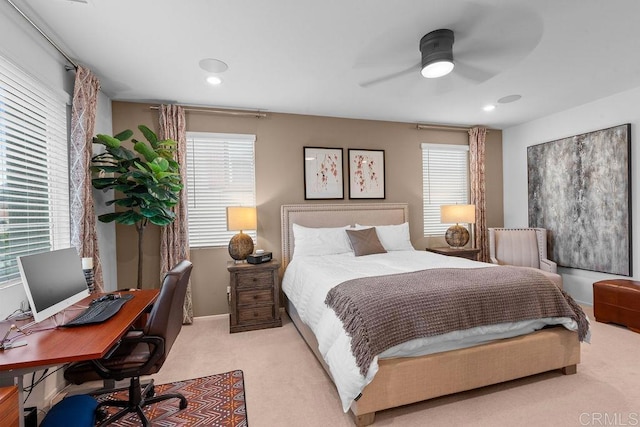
(308, 279)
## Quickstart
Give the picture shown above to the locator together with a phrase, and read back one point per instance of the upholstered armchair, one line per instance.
(524, 247)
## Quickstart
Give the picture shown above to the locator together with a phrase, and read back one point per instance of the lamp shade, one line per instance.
(450, 214)
(241, 218)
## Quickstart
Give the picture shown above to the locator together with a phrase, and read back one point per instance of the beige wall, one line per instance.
(279, 180)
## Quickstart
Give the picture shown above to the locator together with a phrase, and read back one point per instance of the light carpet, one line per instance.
(286, 386)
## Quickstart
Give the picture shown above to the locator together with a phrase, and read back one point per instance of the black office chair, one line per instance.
(141, 352)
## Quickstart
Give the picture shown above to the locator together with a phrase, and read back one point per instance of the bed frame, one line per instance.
(402, 381)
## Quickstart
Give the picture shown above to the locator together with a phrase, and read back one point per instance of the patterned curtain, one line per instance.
(477, 137)
(174, 239)
(83, 217)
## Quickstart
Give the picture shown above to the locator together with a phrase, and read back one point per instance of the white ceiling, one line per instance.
(325, 57)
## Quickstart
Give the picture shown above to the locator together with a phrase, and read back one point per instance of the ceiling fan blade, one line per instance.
(473, 73)
(388, 77)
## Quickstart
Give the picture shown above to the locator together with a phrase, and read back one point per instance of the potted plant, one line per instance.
(146, 181)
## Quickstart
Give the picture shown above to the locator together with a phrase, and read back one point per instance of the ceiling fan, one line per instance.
(468, 52)
(438, 60)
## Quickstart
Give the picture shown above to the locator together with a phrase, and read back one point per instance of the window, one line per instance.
(34, 182)
(220, 173)
(445, 181)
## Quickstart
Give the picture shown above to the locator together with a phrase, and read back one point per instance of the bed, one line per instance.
(404, 380)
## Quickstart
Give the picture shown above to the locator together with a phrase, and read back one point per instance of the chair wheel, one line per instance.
(150, 392)
(101, 414)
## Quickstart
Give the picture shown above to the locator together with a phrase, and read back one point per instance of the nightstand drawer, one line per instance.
(255, 297)
(253, 279)
(256, 314)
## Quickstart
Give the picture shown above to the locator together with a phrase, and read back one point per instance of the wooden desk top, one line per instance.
(60, 345)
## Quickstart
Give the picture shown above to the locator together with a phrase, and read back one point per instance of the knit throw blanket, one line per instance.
(383, 311)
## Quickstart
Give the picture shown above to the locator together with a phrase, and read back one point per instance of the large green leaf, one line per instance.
(110, 217)
(149, 135)
(103, 183)
(127, 203)
(161, 163)
(107, 140)
(124, 135)
(147, 152)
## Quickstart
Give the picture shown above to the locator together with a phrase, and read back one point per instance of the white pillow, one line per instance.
(320, 241)
(393, 237)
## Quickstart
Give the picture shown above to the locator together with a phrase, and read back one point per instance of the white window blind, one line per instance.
(445, 181)
(34, 181)
(220, 173)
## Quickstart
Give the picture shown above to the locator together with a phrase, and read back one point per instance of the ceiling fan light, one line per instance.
(437, 69)
(436, 48)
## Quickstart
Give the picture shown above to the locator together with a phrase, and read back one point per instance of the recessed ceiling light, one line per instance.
(213, 65)
(509, 98)
(214, 80)
(489, 107)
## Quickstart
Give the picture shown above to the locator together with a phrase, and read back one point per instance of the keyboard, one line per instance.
(100, 310)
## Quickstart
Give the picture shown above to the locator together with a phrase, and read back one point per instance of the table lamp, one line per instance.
(241, 218)
(457, 236)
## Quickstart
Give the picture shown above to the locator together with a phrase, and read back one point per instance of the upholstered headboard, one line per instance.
(336, 215)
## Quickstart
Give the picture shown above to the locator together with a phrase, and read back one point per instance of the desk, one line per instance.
(52, 347)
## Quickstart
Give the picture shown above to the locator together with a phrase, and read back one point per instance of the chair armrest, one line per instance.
(548, 265)
(133, 335)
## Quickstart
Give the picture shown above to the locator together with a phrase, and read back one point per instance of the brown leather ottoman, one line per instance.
(617, 301)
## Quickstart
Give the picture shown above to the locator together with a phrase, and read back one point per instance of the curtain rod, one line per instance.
(256, 114)
(62, 52)
(445, 128)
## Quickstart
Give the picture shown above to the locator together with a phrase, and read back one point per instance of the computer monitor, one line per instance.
(53, 281)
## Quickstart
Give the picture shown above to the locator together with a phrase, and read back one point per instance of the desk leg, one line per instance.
(17, 381)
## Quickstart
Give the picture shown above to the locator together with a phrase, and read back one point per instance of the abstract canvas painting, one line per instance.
(579, 190)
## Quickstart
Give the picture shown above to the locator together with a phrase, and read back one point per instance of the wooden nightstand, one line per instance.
(468, 253)
(254, 296)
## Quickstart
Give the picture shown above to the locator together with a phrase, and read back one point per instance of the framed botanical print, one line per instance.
(323, 173)
(366, 174)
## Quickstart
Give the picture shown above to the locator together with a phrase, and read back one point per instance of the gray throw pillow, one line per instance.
(365, 242)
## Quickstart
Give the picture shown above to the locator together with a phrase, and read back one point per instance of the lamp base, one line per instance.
(240, 246)
(456, 236)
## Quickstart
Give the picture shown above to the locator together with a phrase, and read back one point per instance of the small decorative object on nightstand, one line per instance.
(254, 296)
(469, 253)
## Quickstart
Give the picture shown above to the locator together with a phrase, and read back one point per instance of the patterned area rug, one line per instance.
(217, 400)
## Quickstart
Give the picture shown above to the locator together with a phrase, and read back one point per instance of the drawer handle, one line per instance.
(254, 279)
(255, 297)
